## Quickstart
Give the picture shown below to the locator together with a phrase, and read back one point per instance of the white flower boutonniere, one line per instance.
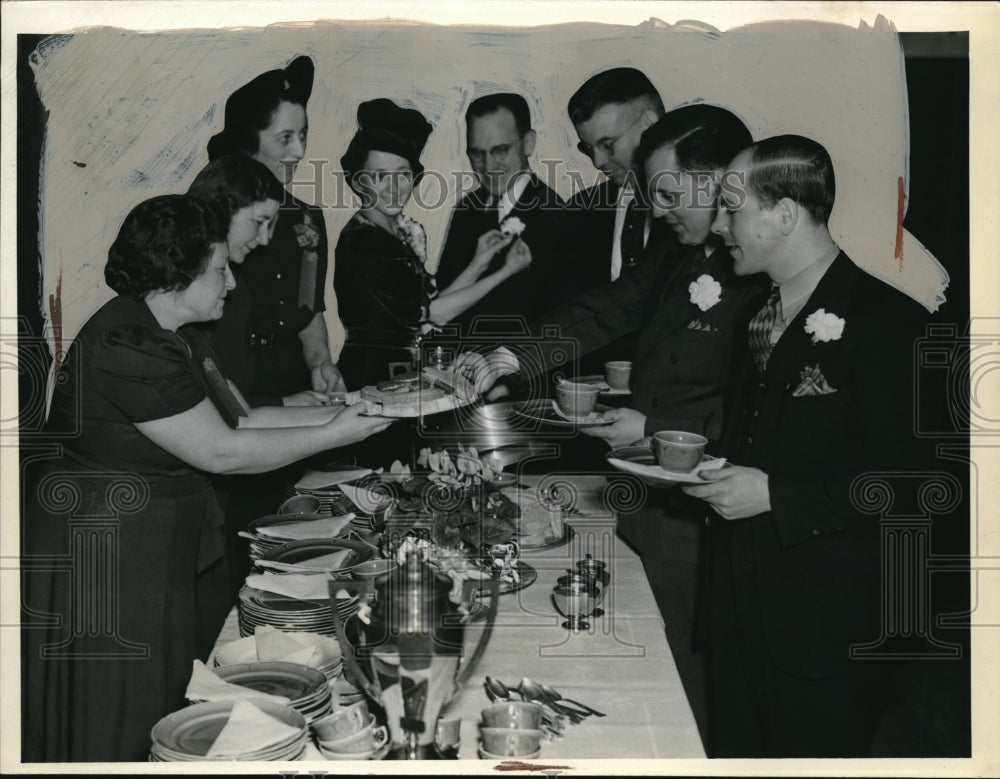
(414, 234)
(705, 292)
(512, 225)
(823, 326)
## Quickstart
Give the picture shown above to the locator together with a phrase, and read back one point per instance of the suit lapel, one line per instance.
(833, 294)
(666, 303)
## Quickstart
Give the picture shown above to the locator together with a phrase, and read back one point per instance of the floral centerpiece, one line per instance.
(449, 512)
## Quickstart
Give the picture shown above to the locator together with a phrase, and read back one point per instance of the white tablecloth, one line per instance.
(621, 666)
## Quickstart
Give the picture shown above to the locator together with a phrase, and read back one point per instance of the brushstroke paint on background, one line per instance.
(131, 114)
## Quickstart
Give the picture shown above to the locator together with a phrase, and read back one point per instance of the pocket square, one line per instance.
(813, 383)
(697, 324)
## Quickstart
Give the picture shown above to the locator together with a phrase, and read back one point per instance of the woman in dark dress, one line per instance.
(386, 299)
(273, 344)
(124, 581)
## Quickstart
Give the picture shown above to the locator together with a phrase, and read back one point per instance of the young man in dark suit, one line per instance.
(825, 396)
(611, 222)
(499, 141)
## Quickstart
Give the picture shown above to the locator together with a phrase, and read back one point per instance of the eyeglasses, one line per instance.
(606, 145)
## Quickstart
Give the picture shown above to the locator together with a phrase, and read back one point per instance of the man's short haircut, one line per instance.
(490, 104)
(704, 137)
(617, 86)
(794, 167)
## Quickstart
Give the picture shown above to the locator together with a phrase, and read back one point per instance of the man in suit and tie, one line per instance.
(499, 141)
(825, 395)
(611, 222)
(688, 310)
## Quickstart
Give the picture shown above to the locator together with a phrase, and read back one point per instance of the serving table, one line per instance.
(622, 665)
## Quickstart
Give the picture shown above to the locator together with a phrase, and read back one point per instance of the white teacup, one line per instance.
(369, 739)
(343, 722)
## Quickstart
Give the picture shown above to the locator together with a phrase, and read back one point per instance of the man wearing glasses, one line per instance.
(610, 112)
(611, 221)
(499, 140)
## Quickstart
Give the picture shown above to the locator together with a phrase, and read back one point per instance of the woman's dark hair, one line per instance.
(234, 182)
(251, 108)
(385, 126)
(704, 137)
(164, 244)
(795, 167)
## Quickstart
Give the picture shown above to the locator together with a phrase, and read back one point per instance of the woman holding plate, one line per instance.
(124, 579)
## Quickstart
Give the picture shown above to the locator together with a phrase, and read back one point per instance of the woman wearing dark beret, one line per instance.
(386, 299)
(279, 349)
(124, 580)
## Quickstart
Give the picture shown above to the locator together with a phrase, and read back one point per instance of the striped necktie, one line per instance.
(759, 330)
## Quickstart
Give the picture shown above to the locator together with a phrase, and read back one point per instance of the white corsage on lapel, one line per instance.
(705, 292)
(813, 383)
(823, 326)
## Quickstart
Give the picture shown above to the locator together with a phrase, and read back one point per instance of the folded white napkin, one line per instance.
(249, 730)
(274, 645)
(303, 586)
(331, 561)
(206, 686)
(328, 527)
(320, 480)
(656, 472)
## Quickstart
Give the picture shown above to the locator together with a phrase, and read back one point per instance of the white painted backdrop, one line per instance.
(130, 115)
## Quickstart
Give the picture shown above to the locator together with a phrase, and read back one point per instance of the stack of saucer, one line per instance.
(307, 689)
(326, 656)
(271, 531)
(274, 732)
(334, 556)
(322, 485)
(292, 615)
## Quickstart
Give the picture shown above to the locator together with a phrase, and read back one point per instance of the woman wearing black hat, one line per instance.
(277, 349)
(386, 299)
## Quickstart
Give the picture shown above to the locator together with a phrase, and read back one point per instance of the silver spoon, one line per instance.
(531, 692)
(496, 689)
(554, 695)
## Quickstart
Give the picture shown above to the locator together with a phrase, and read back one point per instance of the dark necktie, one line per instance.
(633, 234)
(759, 330)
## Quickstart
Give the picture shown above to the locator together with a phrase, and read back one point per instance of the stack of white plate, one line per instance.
(244, 650)
(307, 689)
(330, 501)
(260, 607)
(262, 543)
(300, 553)
(188, 734)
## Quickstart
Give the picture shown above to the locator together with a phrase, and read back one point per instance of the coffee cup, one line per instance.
(343, 722)
(576, 400)
(513, 714)
(678, 451)
(617, 374)
(368, 740)
(510, 742)
(448, 734)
